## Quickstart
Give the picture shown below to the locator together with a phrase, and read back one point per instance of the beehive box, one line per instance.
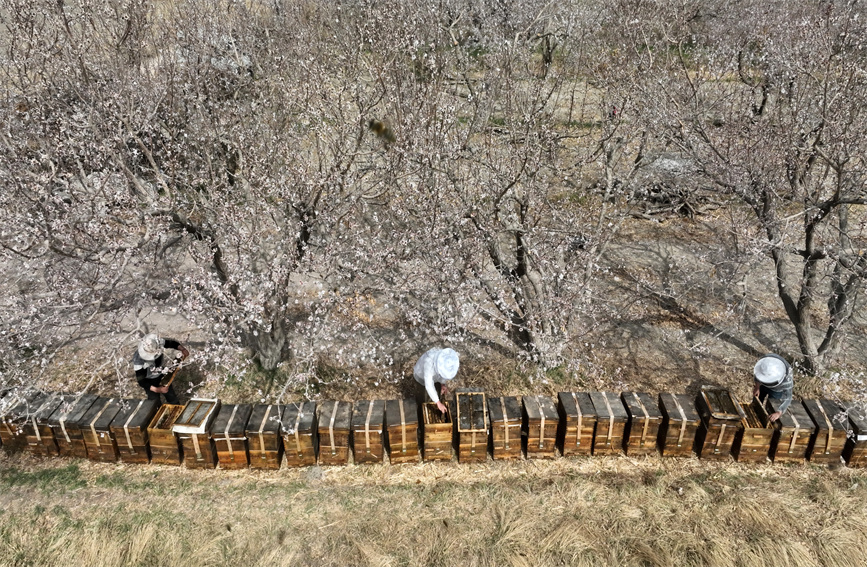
(680, 425)
(263, 437)
(64, 422)
(39, 435)
(334, 431)
(757, 433)
(401, 422)
(130, 430)
(795, 432)
(577, 423)
(471, 422)
(506, 419)
(721, 419)
(14, 413)
(368, 425)
(855, 452)
(95, 428)
(165, 447)
(829, 440)
(229, 435)
(193, 430)
(437, 432)
(611, 417)
(540, 424)
(298, 428)
(642, 430)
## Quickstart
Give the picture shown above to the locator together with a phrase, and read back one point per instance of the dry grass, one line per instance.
(594, 512)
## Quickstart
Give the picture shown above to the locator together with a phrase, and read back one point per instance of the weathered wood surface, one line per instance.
(611, 418)
(263, 437)
(165, 446)
(795, 430)
(721, 417)
(95, 428)
(437, 432)
(855, 452)
(64, 422)
(577, 423)
(642, 430)
(193, 431)
(298, 428)
(130, 429)
(368, 424)
(401, 421)
(541, 422)
(39, 435)
(756, 436)
(829, 440)
(229, 434)
(680, 425)
(16, 409)
(471, 421)
(335, 433)
(506, 417)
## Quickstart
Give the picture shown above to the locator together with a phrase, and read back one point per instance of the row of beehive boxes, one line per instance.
(204, 433)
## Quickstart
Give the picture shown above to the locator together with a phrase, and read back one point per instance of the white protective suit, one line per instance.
(437, 365)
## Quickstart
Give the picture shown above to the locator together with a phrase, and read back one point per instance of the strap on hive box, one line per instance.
(682, 420)
(297, 425)
(830, 427)
(794, 433)
(93, 425)
(126, 427)
(541, 423)
(195, 437)
(402, 425)
(719, 439)
(646, 417)
(367, 427)
(580, 418)
(505, 421)
(331, 429)
(262, 428)
(610, 419)
(226, 432)
(36, 429)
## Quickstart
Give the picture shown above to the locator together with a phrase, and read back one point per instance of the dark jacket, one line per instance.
(151, 372)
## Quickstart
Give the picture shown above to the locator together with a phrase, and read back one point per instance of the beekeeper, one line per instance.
(774, 379)
(151, 367)
(433, 369)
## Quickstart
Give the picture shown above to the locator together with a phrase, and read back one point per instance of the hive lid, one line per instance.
(265, 418)
(826, 414)
(538, 407)
(472, 410)
(134, 413)
(103, 422)
(17, 406)
(858, 422)
(298, 417)
(231, 420)
(368, 415)
(577, 403)
(679, 407)
(721, 404)
(641, 405)
(608, 405)
(71, 411)
(393, 412)
(197, 416)
(504, 409)
(49, 406)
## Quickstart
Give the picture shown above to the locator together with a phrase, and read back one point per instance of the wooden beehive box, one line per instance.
(165, 447)
(506, 419)
(471, 423)
(401, 422)
(757, 433)
(540, 424)
(95, 428)
(577, 423)
(368, 423)
(645, 418)
(64, 422)
(721, 419)
(14, 413)
(611, 418)
(829, 440)
(193, 430)
(437, 432)
(855, 452)
(263, 437)
(229, 434)
(299, 434)
(130, 430)
(335, 433)
(680, 425)
(39, 435)
(795, 432)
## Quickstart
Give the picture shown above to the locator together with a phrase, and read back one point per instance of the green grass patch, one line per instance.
(64, 478)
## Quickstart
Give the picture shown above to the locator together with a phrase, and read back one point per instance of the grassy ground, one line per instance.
(595, 512)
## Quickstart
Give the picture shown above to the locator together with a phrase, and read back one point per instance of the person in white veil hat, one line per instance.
(773, 378)
(433, 369)
(150, 368)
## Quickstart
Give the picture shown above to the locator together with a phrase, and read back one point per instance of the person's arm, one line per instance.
(141, 377)
(176, 345)
(429, 385)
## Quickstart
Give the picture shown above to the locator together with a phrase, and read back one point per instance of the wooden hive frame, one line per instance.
(401, 439)
(192, 429)
(437, 432)
(299, 429)
(471, 421)
(368, 424)
(855, 452)
(95, 428)
(38, 433)
(611, 418)
(829, 439)
(263, 437)
(130, 430)
(577, 423)
(506, 418)
(165, 445)
(229, 435)
(680, 425)
(642, 431)
(756, 436)
(722, 418)
(335, 432)
(65, 424)
(541, 422)
(795, 429)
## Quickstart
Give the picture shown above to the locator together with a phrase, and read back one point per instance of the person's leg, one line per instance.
(154, 396)
(171, 396)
